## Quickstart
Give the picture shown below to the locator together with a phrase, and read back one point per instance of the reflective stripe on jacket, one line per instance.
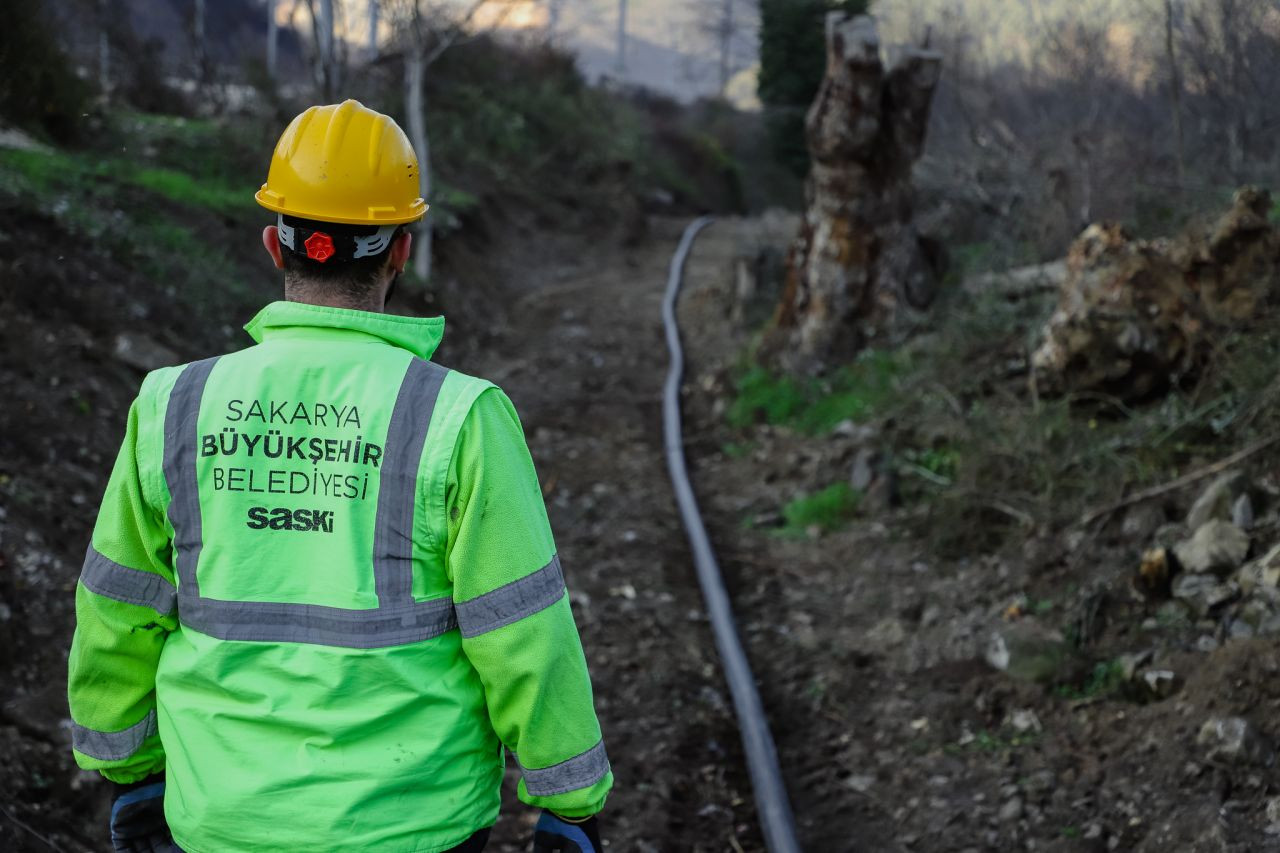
(322, 591)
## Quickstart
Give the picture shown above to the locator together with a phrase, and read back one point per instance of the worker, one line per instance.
(322, 594)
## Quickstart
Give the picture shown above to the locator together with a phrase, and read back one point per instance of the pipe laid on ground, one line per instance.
(776, 821)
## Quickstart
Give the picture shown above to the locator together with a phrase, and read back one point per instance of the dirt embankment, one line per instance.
(872, 652)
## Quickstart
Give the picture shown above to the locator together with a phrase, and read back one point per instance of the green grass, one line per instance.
(186, 190)
(854, 392)
(827, 509)
(79, 177)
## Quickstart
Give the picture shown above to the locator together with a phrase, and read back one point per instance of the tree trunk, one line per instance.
(553, 19)
(325, 49)
(373, 29)
(416, 110)
(204, 69)
(273, 38)
(859, 260)
(1175, 93)
(726, 44)
(622, 39)
(104, 50)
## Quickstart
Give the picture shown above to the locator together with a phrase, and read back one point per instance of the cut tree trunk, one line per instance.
(858, 260)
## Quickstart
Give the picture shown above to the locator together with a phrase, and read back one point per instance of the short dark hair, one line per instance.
(341, 275)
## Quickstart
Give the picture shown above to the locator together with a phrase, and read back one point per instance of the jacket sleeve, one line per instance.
(125, 608)
(513, 612)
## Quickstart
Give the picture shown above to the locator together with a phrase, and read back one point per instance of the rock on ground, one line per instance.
(1217, 546)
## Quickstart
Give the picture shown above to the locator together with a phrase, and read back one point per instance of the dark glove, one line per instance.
(558, 835)
(137, 818)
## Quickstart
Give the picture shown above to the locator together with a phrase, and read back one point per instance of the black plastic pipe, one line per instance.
(776, 821)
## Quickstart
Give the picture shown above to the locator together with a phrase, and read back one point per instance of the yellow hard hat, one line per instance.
(344, 163)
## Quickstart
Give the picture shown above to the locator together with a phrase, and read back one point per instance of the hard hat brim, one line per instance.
(416, 211)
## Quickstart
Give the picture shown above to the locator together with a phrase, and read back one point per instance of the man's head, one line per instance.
(344, 183)
(346, 266)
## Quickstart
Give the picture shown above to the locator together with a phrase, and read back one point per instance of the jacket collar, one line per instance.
(418, 335)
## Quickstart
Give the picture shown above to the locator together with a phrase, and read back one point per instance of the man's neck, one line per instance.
(312, 294)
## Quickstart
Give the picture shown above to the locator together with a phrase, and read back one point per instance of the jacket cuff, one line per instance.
(118, 789)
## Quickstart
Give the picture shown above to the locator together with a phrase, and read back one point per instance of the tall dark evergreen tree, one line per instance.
(792, 60)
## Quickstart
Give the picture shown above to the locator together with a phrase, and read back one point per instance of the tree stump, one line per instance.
(858, 259)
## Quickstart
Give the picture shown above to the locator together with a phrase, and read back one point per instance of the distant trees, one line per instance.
(792, 59)
(1231, 49)
(724, 25)
(622, 39)
(1054, 115)
(424, 32)
(273, 38)
(327, 64)
(39, 89)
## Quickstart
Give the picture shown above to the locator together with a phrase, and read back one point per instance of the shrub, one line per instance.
(853, 392)
(826, 510)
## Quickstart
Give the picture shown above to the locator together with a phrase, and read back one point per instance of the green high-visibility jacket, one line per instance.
(322, 594)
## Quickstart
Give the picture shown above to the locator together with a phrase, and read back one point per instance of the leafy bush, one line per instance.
(524, 122)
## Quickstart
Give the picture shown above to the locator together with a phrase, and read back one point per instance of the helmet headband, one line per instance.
(336, 242)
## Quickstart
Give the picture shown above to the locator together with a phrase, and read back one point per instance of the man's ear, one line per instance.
(271, 242)
(400, 251)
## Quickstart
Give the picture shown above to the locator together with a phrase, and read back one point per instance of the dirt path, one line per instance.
(583, 360)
